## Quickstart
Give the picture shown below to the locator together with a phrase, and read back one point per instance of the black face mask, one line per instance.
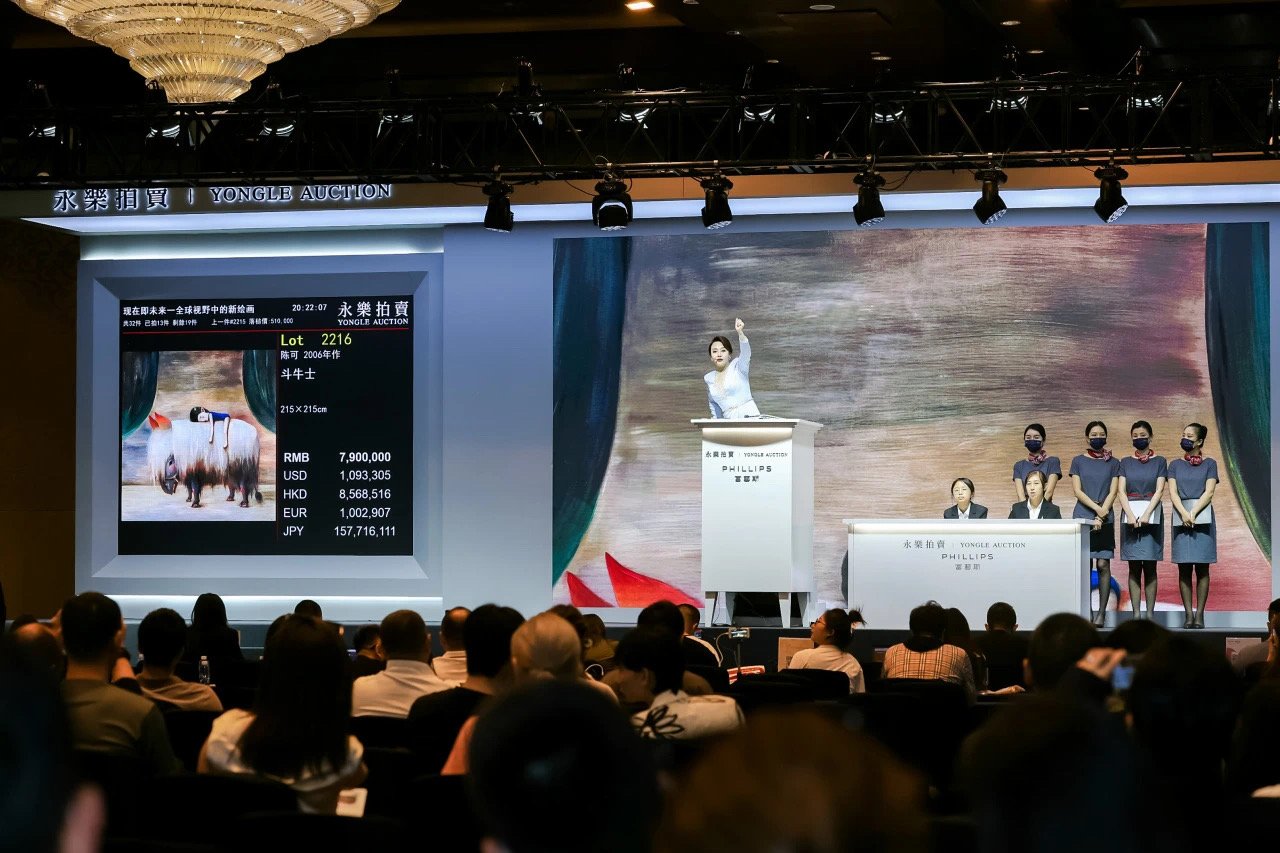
(1033, 445)
(1097, 443)
(1141, 443)
(1188, 444)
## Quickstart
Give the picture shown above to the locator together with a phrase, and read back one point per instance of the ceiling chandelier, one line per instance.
(202, 51)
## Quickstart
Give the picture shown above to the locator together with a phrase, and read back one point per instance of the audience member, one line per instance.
(1004, 650)
(1255, 754)
(1135, 636)
(650, 670)
(1056, 644)
(105, 717)
(276, 625)
(785, 783)
(555, 745)
(667, 616)
(406, 645)
(1256, 655)
(368, 659)
(957, 634)
(435, 720)
(831, 634)
(574, 617)
(209, 635)
(307, 607)
(924, 655)
(40, 646)
(297, 730)
(42, 807)
(691, 619)
(601, 648)
(160, 640)
(452, 665)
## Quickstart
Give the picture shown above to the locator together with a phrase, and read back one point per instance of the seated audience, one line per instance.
(1135, 636)
(1056, 645)
(553, 746)
(600, 648)
(406, 645)
(831, 633)
(160, 640)
(43, 807)
(40, 646)
(368, 659)
(105, 717)
(650, 670)
(957, 634)
(452, 665)
(667, 616)
(297, 730)
(1256, 655)
(783, 783)
(1255, 753)
(435, 720)
(924, 655)
(691, 619)
(209, 635)
(307, 607)
(1002, 647)
(574, 617)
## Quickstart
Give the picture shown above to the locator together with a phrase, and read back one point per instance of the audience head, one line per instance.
(550, 744)
(303, 704)
(161, 638)
(366, 639)
(1273, 614)
(856, 619)
(209, 613)
(272, 629)
(928, 620)
(1057, 643)
(92, 628)
(1137, 635)
(832, 628)
(546, 646)
(1002, 617)
(487, 635)
(574, 617)
(39, 646)
(1255, 761)
(691, 618)
(783, 783)
(404, 636)
(307, 607)
(596, 632)
(649, 661)
(957, 631)
(21, 620)
(664, 615)
(451, 637)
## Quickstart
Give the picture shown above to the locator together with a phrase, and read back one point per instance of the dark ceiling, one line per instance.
(442, 49)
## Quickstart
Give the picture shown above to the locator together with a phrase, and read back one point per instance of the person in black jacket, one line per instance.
(1004, 649)
(1036, 505)
(962, 491)
(209, 635)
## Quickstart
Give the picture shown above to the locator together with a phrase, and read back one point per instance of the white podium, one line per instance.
(757, 510)
(1039, 567)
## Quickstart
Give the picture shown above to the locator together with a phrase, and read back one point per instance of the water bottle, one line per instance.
(204, 670)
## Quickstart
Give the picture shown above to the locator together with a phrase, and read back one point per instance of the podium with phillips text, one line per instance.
(757, 510)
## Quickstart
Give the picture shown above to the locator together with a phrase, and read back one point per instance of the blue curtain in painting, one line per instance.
(590, 306)
(138, 374)
(259, 369)
(1237, 326)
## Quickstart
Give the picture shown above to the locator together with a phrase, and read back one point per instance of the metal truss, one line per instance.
(1048, 121)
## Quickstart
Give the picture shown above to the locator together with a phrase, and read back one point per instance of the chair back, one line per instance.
(828, 684)
(714, 675)
(188, 730)
(121, 778)
(446, 796)
(211, 802)
(764, 691)
(390, 773)
(388, 732)
(272, 832)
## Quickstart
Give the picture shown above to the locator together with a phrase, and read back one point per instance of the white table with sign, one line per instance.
(1039, 566)
(757, 510)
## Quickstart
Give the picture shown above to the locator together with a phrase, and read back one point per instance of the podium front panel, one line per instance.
(1039, 567)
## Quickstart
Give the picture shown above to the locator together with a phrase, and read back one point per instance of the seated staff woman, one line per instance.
(1035, 506)
(1095, 477)
(1193, 479)
(1034, 438)
(964, 507)
(1142, 479)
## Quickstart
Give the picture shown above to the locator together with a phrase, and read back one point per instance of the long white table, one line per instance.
(1039, 567)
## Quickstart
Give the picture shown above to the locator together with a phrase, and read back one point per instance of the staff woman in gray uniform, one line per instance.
(1095, 477)
(1142, 480)
(1193, 479)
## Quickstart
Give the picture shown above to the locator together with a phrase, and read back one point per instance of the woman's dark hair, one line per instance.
(1202, 431)
(366, 637)
(303, 707)
(1044, 436)
(209, 614)
(840, 626)
(957, 632)
(1088, 429)
(573, 616)
(855, 617)
(1044, 481)
(1143, 425)
(967, 482)
(195, 412)
(722, 339)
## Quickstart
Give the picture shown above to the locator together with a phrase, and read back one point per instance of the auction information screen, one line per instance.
(266, 426)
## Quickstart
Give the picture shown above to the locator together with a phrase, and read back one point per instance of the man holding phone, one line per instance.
(1257, 654)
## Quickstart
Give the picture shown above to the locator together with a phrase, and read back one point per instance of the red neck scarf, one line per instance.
(1037, 458)
(1105, 455)
(1193, 459)
(1144, 458)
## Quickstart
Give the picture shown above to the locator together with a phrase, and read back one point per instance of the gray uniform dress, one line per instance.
(1048, 467)
(1095, 480)
(1147, 542)
(1197, 544)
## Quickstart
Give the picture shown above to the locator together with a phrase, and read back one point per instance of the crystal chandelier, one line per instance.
(201, 51)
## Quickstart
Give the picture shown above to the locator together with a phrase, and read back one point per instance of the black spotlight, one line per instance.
(990, 207)
(611, 207)
(716, 213)
(497, 216)
(1110, 205)
(868, 211)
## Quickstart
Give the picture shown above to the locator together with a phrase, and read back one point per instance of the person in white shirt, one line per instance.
(406, 644)
(691, 619)
(452, 665)
(831, 634)
(650, 668)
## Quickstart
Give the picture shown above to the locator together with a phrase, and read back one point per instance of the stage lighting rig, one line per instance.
(716, 212)
(611, 207)
(990, 207)
(498, 216)
(868, 211)
(1110, 205)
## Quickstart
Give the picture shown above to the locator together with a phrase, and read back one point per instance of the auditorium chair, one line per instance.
(443, 813)
(753, 692)
(391, 770)
(177, 805)
(714, 675)
(388, 732)
(121, 778)
(188, 730)
(829, 684)
(235, 696)
(273, 832)
(953, 834)
(923, 721)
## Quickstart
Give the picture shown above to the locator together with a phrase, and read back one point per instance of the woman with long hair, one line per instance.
(831, 633)
(209, 635)
(957, 634)
(297, 730)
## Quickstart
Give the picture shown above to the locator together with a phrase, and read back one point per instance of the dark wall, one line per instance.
(37, 412)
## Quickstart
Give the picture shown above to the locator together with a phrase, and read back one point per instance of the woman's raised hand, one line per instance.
(739, 326)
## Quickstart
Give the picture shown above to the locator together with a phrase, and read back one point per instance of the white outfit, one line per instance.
(392, 692)
(732, 399)
(451, 667)
(675, 715)
(1034, 511)
(317, 792)
(829, 657)
(963, 513)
